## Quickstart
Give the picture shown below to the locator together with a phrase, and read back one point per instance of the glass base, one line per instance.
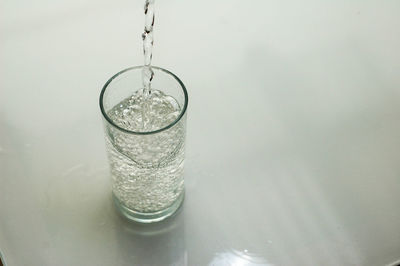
(148, 217)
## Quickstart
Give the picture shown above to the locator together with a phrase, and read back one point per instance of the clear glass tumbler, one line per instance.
(146, 165)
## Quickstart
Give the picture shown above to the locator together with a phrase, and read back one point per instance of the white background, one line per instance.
(293, 148)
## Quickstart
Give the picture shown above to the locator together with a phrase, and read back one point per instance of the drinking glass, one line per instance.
(146, 167)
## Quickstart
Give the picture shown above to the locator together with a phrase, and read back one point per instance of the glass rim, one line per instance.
(110, 121)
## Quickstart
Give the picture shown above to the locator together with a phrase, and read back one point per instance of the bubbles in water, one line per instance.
(147, 170)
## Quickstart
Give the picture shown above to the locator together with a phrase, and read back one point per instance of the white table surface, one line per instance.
(293, 147)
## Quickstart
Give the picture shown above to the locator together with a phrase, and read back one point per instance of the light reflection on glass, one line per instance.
(238, 258)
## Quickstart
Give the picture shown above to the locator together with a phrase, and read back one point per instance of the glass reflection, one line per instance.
(161, 243)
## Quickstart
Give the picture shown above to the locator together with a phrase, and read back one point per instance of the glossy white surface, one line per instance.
(293, 148)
